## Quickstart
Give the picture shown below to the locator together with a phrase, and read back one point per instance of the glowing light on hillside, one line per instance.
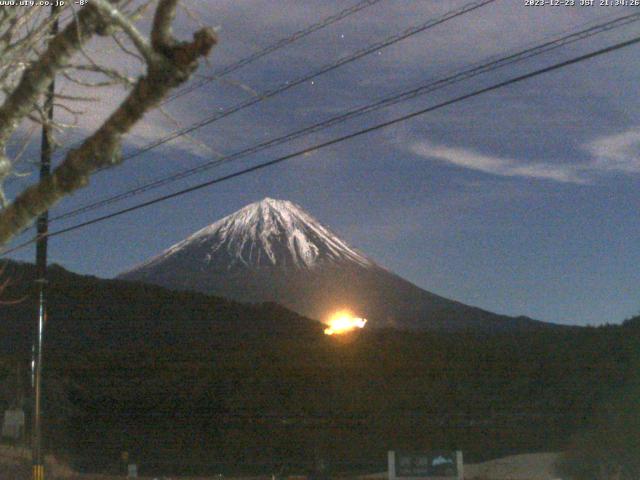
(342, 322)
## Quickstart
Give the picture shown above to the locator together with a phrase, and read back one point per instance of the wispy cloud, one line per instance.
(612, 154)
(619, 152)
(502, 166)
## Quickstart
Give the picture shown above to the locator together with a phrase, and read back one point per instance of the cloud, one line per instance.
(616, 153)
(611, 154)
(502, 166)
(148, 132)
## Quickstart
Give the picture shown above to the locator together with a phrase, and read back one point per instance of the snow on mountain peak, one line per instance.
(270, 232)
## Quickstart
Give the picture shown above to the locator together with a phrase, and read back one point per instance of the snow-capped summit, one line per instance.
(273, 250)
(268, 233)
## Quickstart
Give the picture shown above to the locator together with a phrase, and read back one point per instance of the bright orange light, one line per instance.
(342, 322)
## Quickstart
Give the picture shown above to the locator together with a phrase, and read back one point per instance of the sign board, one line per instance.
(13, 424)
(132, 470)
(425, 465)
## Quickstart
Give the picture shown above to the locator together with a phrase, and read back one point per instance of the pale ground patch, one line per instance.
(530, 466)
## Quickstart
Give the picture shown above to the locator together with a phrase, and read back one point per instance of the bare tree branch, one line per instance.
(171, 64)
(125, 49)
(161, 35)
(38, 76)
(5, 281)
(113, 14)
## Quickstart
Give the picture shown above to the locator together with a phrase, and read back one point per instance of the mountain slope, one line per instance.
(275, 251)
(267, 234)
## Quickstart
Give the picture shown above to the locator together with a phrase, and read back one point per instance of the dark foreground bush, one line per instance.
(15, 472)
(610, 448)
(15, 464)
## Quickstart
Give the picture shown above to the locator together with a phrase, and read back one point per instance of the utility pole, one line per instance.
(41, 273)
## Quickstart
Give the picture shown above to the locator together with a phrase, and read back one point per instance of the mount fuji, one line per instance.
(274, 251)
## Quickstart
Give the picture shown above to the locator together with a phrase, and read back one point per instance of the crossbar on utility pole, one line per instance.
(41, 280)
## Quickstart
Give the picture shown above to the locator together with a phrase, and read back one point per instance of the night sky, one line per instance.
(522, 201)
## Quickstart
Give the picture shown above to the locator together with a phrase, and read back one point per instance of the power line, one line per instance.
(337, 140)
(327, 68)
(290, 84)
(306, 78)
(275, 46)
(383, 103)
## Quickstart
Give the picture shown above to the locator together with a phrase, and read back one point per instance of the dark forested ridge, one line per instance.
(187, 382)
